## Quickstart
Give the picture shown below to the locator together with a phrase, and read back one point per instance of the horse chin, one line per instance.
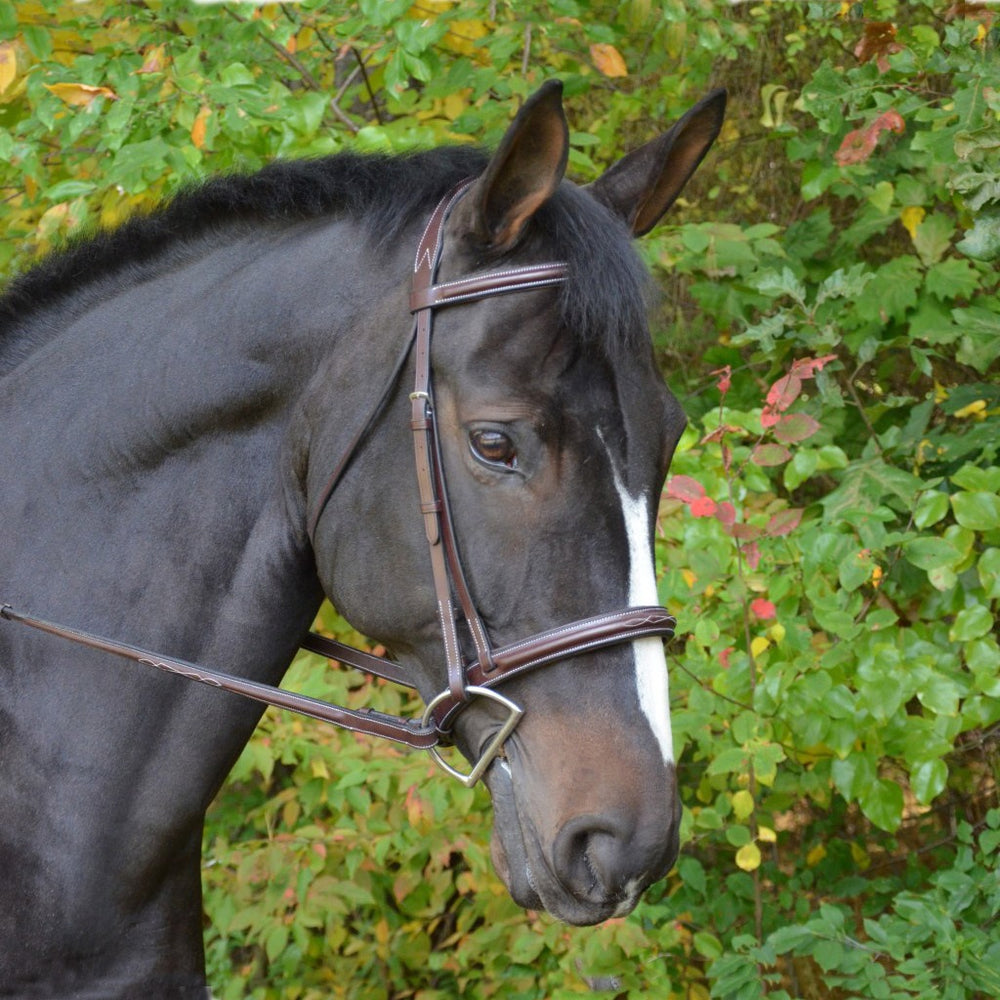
(521, 866)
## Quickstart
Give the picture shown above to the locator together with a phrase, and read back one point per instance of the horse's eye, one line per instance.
(493, 448)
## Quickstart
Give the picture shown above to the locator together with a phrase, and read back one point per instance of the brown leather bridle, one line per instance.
(492, 665)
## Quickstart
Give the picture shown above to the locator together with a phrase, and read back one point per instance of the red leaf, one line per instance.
(703, 507)
(794, 427)
(860, 144)
(720, 432)
(770, 454)
(888, 121)
(725, 513)
(684, 488)
(763, 608)
(878, 42)
(784, 522)
(751, 552)
(725, 380)
(807, 367)
(784, 392)
(724, 657)
(768, 418)
(856, 147)
(746, 532)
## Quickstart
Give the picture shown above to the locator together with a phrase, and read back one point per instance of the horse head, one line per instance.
(554, 432)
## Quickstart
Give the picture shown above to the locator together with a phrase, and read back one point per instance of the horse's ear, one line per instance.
(644, 184)
(525, 170)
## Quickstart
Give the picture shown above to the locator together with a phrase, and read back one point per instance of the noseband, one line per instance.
(491, 665)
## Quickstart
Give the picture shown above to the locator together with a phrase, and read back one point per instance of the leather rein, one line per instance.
(491, 665)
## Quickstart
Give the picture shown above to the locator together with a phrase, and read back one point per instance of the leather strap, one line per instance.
(446, 563)
(561, 643)
(389, 727)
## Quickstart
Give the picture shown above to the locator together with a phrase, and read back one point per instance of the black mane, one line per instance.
(603, 303)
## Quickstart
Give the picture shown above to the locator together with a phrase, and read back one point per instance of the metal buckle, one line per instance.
(494, 746)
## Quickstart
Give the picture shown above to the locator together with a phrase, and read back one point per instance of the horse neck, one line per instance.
(176, 404)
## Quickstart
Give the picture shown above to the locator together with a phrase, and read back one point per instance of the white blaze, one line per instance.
(650, 661)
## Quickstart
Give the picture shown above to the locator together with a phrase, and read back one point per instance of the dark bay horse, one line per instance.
(209, 420)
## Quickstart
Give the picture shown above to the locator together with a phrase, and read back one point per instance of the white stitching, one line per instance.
(588, 622)
(501, 274)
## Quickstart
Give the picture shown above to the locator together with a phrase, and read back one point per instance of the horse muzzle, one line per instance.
(582, 866)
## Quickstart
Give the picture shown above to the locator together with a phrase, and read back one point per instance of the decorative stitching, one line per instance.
(624, 616)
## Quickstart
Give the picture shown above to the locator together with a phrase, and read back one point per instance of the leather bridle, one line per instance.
(491, 665)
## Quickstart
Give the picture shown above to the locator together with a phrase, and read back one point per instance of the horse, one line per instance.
(222, 412)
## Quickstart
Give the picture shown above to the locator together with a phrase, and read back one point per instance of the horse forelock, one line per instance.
(602, 305)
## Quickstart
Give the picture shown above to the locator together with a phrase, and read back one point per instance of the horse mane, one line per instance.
(603, 304)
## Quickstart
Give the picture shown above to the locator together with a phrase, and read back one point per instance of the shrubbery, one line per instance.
(829, 539)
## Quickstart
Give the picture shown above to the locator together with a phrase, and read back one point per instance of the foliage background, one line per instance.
(829, 539)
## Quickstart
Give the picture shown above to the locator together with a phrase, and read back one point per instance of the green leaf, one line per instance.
(8, 18)
(972, 477)
(845, 284)
(980, 345)
(882, 803)
(931, 507)
(65, 190)
(893, 293)
(930, 553)
(971, 623)
(804, 463)
(853, 773)
(276, 941)
(939, 693)
(933, 237)
(869, 484)
(854, 570)
(775, 284)
(728, 761)
(828, 954)
(979, 511)
(706, 631)
(988, 567)
(952, 279)
(928, 779)
(707, 944)
(982, 241)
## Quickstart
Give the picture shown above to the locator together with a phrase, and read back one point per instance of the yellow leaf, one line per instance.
(8, 65)
(816, 855)
(748, 857)
(777, 632)
(742, 804)
(80, 95)
(688, 577)
(454, 104)
(759, 645)
(198, 128)
(463, 35)
(911, 217)
(608, 59)
(766, 835)
(154, 60)
(976, 409)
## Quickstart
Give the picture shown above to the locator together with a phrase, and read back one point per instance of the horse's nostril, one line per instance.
(592, 858)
